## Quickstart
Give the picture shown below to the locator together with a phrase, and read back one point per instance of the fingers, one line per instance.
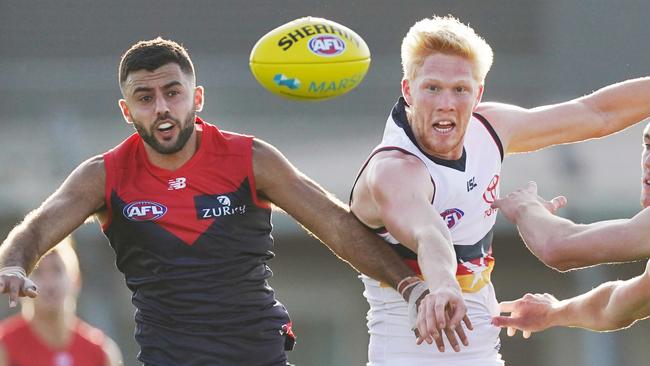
(17, 286)
(439, 319)
(511, 331)
(461, 335)
(441, 314)
(468, 323)
(422, 326)
(504, 321)
(14, 291)
(558, 202)
(507, 306)
(531, 187)
(497, 203)
(438, 339)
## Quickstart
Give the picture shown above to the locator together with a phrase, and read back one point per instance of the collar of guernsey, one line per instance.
(463, 192)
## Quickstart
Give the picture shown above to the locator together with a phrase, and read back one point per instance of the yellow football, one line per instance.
(310, 59)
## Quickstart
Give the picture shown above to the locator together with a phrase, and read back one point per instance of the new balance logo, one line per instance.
(178, 183)
(471, 184)
(282, 80)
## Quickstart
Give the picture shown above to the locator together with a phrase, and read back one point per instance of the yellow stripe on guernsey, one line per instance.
(477, 279)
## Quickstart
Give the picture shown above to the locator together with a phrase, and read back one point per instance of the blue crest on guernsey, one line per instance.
(326, 45)
(452, 216)
(144, 211)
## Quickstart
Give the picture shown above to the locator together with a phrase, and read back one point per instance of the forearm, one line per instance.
(543, 232)
(21, 247)
(364, 250)
(604, 308)
(437, 259)
(349, 239)
(622, 104)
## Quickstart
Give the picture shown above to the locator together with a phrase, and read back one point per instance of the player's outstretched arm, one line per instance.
(563, 244)
(401, 190)
(324, 216)
(610, 306)
(80, 196)
(598, 114)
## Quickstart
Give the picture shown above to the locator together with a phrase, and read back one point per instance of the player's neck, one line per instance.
(53, 328)
(176, 160)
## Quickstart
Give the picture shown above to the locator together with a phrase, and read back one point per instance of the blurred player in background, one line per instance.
(428, 186)
(187, 209)
(565, 245)
(47, 332)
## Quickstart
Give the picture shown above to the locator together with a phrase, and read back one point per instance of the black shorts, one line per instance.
(172, 347)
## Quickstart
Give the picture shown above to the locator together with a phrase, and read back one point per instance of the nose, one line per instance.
(446, 101)
(162, 107)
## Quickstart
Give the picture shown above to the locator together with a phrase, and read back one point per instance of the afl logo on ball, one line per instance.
(144, 211)
(326, 45)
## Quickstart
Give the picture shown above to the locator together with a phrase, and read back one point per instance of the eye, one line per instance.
(145, 98)
(172, 93)
(460, 89)
(432, 87)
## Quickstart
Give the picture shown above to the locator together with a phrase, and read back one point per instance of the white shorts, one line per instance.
(392, 342)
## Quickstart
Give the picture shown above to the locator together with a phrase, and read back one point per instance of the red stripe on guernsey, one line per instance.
(470, 266)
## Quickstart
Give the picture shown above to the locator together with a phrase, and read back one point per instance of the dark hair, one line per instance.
(152, 54)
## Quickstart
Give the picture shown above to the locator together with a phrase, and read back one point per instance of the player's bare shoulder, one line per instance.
(386, 174)
(394, 165)
(87, 184)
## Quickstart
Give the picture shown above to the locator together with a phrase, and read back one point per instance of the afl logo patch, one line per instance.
(452, 216)
(144, 211)
(326, 45)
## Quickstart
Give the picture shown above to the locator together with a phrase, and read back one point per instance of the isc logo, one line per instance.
(144, 211)
(326, 45)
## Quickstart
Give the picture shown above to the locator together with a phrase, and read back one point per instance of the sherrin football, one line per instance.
(310, 59)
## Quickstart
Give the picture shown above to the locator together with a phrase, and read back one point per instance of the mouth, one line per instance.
(165, 126)
(444, 126)
(166, 130)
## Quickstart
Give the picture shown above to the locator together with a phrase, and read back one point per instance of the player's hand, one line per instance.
(512, 204)
(441, 313)
(531, 313)
(15, 283)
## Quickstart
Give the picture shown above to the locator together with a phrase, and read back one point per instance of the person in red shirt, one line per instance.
(47, 332)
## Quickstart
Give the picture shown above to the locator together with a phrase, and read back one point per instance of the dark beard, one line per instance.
(183, 136)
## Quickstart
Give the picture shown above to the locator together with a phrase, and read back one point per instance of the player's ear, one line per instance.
(406, 91)
(125, 111)
(199, 92)
(479, 96)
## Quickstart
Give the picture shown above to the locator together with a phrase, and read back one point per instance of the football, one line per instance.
(310, 59)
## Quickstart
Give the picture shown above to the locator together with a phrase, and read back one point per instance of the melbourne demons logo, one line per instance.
(452, 216)
(326, 45)
(144, 211)
(491, 193)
